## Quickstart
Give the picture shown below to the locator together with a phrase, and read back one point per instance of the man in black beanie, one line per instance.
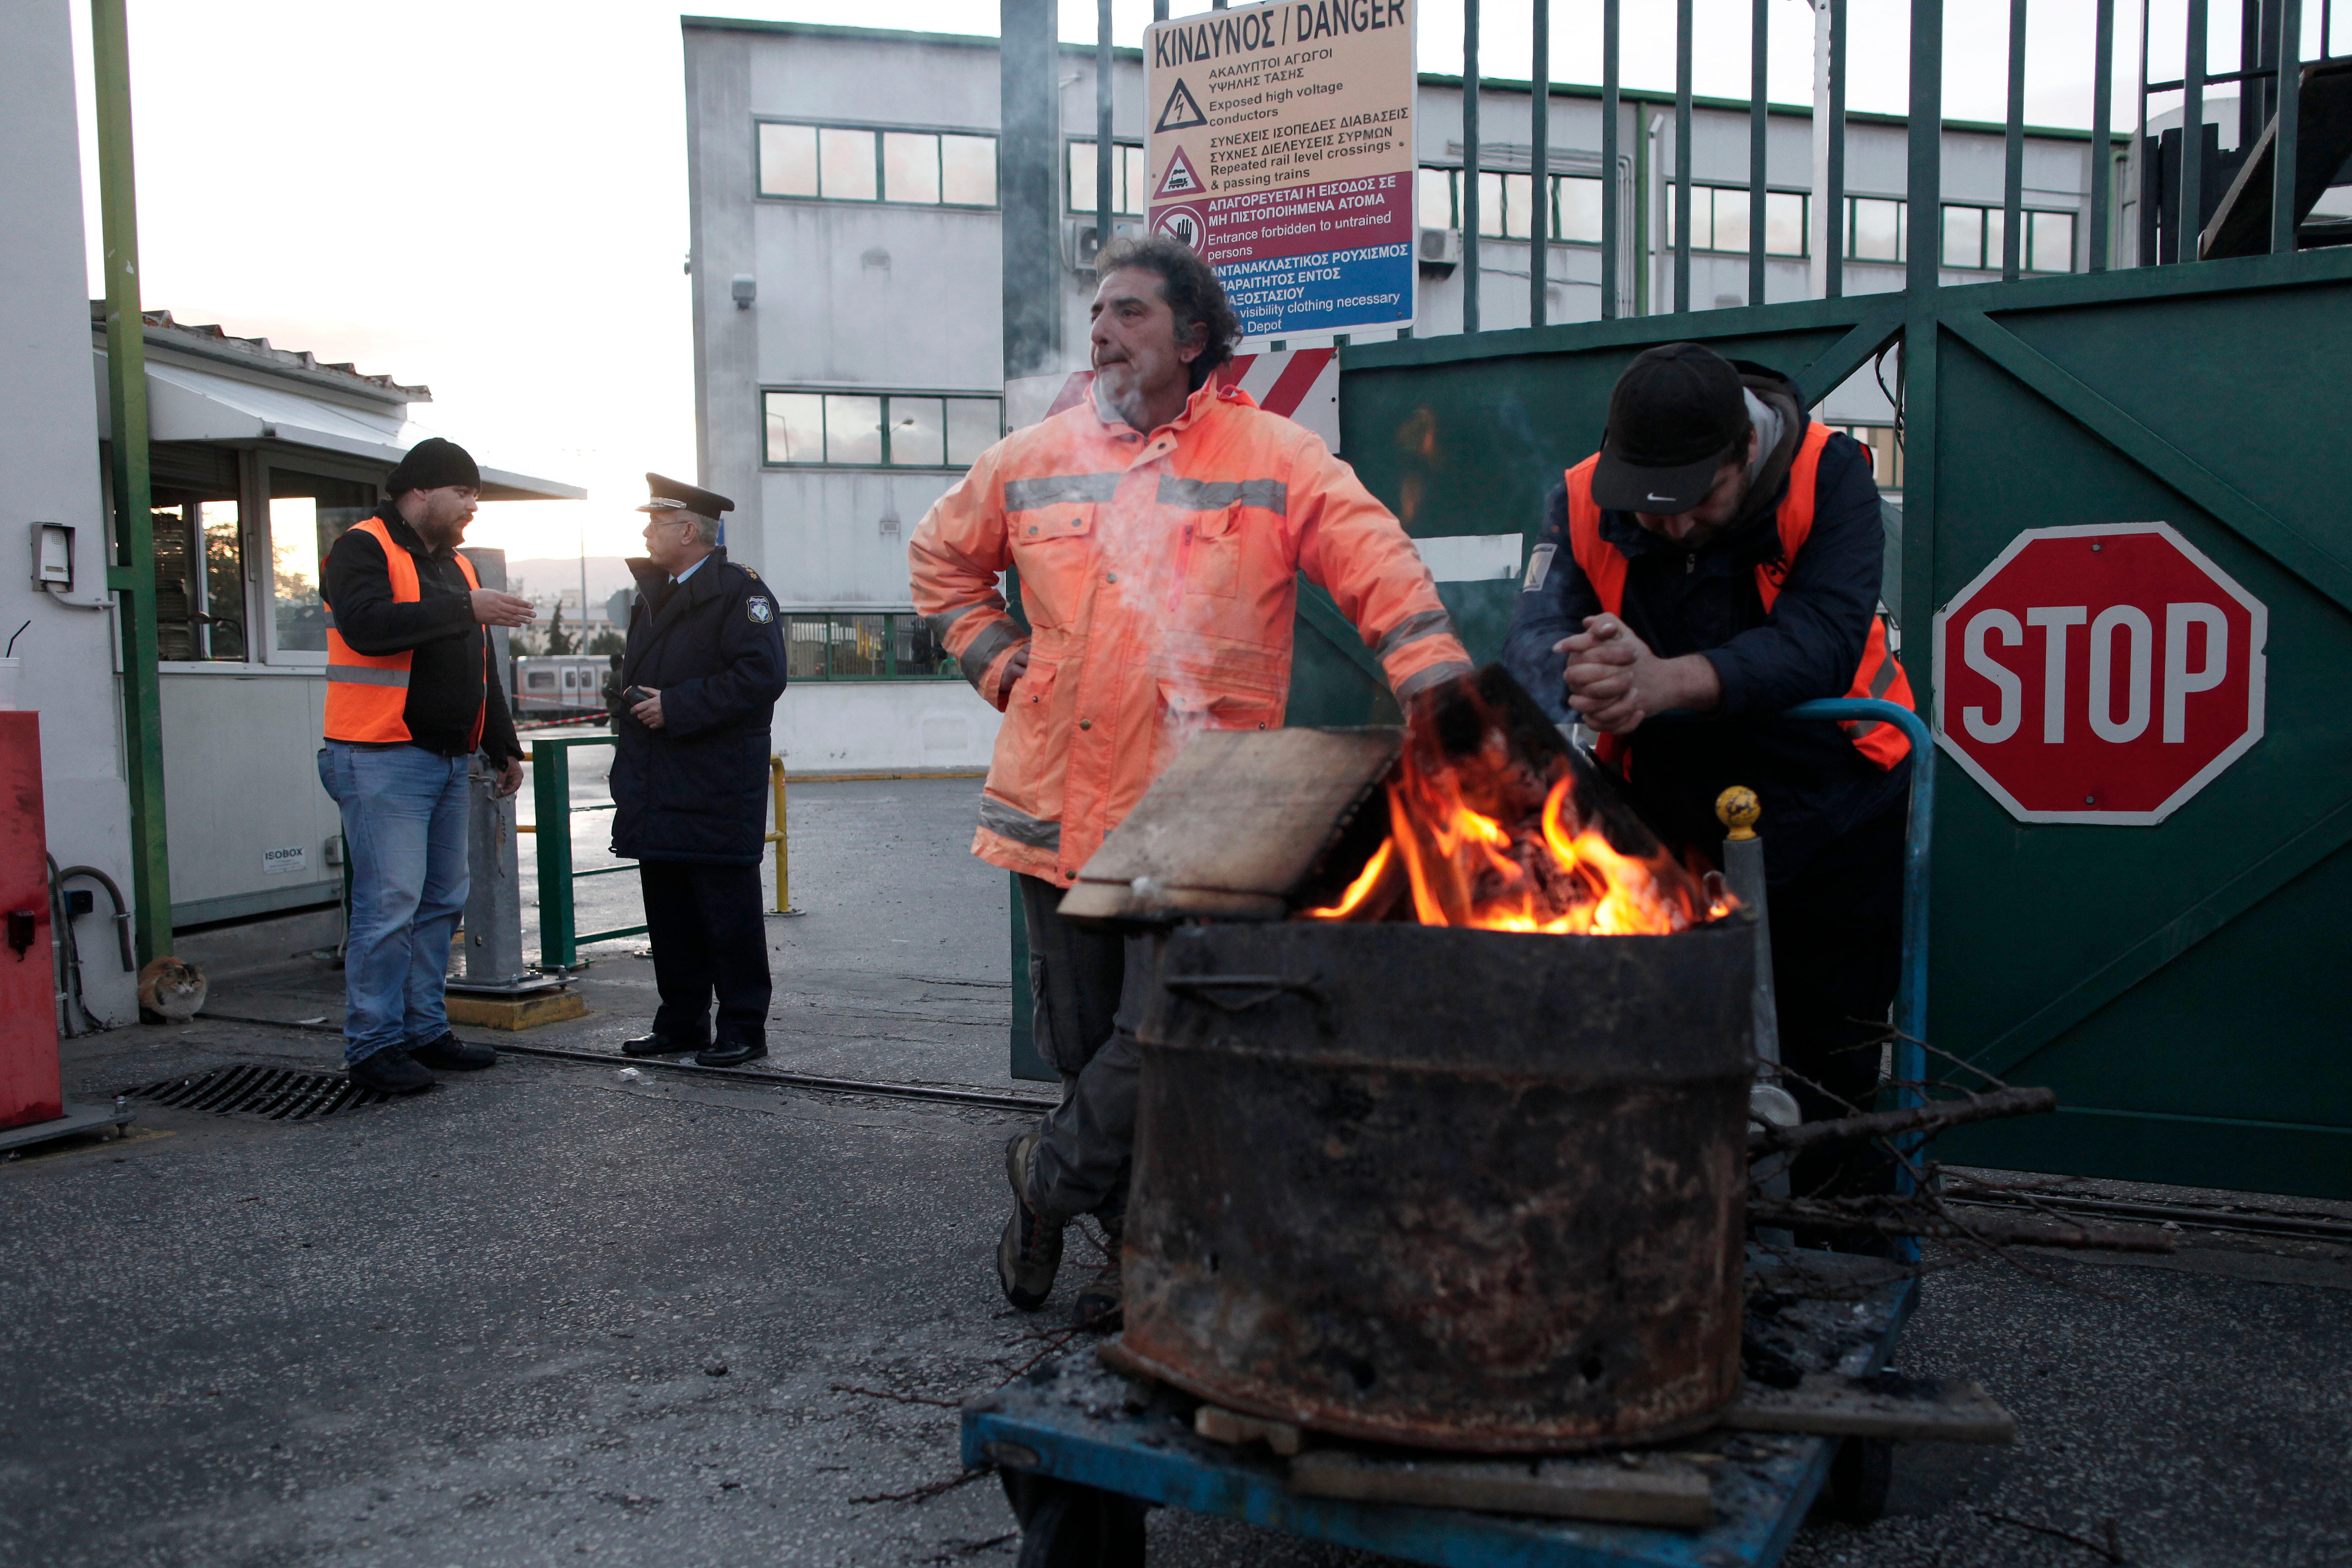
(411, 696)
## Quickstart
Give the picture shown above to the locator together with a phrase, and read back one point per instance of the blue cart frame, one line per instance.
(1072, 1461)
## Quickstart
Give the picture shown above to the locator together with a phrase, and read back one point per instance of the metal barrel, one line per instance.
(1457, 1189)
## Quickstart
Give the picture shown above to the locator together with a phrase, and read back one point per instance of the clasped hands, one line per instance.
(1614, 682)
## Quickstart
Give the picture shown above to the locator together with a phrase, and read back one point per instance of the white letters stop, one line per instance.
(2195, 630)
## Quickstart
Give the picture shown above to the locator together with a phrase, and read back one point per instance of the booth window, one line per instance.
(307, 512)
(843, 645)
(1128, 179)
(878, 430)
(199, 553)
(863, 163)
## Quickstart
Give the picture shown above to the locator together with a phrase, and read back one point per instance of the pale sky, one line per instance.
(489, 197)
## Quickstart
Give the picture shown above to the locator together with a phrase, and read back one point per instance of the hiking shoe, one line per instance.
(450, 1054)
(1097, 1308)
(1030, 1253)
(389, 1071)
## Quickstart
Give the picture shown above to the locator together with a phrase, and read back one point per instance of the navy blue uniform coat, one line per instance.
(696, 789)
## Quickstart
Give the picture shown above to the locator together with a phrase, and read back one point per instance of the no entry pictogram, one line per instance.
(2099, 674)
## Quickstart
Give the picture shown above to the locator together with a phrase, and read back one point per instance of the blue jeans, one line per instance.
(405, 812)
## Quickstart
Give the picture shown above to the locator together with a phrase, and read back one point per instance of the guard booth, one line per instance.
(261, 459)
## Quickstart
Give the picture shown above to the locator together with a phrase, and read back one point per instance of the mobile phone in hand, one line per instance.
(637, 694)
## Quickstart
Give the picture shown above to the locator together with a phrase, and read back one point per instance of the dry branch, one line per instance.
(1933, 1117)
(1945, 1228)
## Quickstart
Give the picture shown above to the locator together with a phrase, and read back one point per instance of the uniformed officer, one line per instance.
(699, 688)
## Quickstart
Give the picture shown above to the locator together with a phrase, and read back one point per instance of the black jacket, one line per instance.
(446, 689)
(696, 789)
(1815, 787)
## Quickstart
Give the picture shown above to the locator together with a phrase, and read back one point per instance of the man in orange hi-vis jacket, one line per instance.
(1159, 530)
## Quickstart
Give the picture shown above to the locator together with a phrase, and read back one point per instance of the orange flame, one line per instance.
(1546, 871)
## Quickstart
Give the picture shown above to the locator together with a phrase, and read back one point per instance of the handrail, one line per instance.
(559, 940)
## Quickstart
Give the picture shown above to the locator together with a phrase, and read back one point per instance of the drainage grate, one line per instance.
(278, 1093)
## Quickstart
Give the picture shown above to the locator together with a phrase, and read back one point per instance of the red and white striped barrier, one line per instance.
(1298, 384)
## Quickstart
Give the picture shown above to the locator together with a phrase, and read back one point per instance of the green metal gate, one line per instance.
(2169, 982)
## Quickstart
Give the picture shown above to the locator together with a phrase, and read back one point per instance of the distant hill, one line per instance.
(546, 575)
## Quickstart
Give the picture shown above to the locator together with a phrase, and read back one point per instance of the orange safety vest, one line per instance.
(367, 697)
(1604, 566)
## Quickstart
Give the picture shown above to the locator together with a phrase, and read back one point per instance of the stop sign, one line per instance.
(2099, 674)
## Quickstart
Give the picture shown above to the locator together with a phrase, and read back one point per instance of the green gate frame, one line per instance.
(2167, 981)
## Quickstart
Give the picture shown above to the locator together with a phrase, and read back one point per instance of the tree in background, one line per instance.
(559, 641)
(607, 641)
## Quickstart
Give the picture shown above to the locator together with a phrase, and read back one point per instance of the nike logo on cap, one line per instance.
(1655, 496)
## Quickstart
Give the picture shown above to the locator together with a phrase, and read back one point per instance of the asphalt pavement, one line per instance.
(547, 1315)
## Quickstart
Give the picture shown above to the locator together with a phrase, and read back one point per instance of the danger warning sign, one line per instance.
(1182, 111)
(1284, 154)
(1179, 181)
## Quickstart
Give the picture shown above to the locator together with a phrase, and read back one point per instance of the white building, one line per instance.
(847, 297)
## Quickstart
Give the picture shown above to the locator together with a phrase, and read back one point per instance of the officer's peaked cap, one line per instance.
(670, 495)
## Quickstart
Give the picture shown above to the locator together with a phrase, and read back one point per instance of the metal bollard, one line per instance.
(1769, 1102)
(494, 897)
(779, 837)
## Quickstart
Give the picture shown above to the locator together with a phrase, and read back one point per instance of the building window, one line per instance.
(1886, 452)
(861, 163)
(1721, 219)
(1974, 236)
(1505, 204)
(848, 644)
(880, 430)
(1128, 180)
(1874, 229)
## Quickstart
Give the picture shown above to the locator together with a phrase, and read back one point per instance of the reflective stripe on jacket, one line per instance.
(367, 696)
(1879, 675)
(1159, 579)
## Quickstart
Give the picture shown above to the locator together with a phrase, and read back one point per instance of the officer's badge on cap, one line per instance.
(676, 495)
(761, 611)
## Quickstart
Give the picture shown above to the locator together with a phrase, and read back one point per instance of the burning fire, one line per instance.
(1493, 841)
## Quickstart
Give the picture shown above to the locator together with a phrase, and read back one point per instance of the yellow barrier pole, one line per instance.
(778, 838)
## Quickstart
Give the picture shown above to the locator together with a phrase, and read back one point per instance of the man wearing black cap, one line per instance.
(1721, 555)
(411, 696)
(699, 688)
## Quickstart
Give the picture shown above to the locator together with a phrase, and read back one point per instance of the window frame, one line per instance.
(885, 394)
(261, 538)
(1804, 220)
(1072, 204)
(878, 128)
(1989, 248)
(891, 672)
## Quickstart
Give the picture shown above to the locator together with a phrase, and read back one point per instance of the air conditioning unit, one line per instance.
(1440, 248)
(1081, 243)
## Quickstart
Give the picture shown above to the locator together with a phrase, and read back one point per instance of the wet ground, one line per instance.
(544, 1315)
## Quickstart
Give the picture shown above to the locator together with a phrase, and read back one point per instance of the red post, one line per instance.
(29, 1087)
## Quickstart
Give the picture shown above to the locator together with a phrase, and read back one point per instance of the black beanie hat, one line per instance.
(431, 463)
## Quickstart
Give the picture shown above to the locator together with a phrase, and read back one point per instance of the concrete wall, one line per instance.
(49, 472)
(884, 726)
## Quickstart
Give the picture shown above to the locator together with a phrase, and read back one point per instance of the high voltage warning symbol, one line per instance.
(1180, 180)
(1182, 111)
